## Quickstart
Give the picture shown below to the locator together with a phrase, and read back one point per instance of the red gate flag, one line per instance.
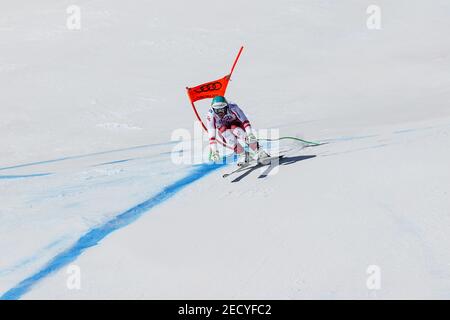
(209, 89)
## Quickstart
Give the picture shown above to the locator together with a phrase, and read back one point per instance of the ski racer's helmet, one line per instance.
(219, 105)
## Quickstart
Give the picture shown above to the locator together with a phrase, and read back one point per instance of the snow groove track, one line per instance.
(95, 235)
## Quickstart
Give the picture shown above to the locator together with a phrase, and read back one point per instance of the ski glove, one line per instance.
(251, 139)
(214, 156)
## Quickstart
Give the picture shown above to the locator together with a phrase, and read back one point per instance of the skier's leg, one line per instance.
(257, 152)
(235, 145)
(232, 141)
(239, 132)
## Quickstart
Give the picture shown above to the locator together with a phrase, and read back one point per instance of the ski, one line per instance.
(253, 164)
(241, 168)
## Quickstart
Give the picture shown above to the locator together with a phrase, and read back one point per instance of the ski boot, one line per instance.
(262, 156)
(243, 159)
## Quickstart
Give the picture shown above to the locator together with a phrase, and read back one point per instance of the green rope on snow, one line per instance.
(293, 138)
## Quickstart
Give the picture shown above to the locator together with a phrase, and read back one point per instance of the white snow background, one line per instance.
(86, 176)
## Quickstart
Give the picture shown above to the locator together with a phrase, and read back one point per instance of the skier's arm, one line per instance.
(210, 125)
(243, 118)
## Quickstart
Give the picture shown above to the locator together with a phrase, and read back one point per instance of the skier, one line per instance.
(232, 124)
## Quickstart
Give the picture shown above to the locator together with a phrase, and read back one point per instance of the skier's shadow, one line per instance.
(283, 161)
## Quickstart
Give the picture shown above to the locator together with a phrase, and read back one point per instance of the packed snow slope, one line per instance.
(86, 176)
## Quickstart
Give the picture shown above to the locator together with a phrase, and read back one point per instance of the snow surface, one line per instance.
(86, 176)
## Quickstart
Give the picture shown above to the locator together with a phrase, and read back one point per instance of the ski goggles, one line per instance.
(220, 107)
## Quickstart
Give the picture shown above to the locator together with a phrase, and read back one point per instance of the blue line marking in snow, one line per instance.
(112, 162)
(25, 176)
(87, 155)
(92, 237)
(349, 138)
(412, 130)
